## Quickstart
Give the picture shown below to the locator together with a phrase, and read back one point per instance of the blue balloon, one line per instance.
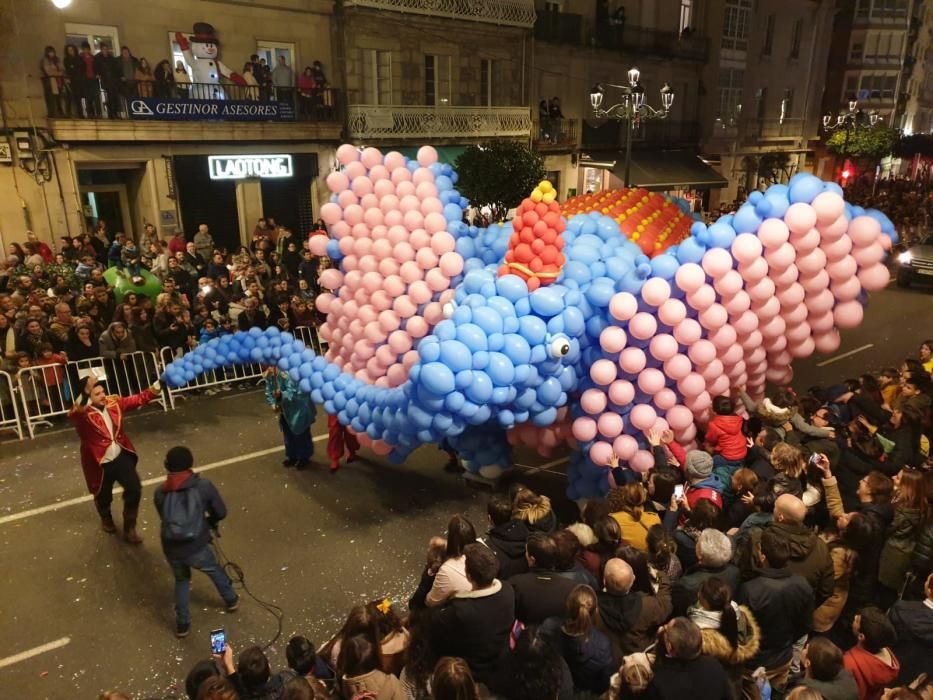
(455, 355)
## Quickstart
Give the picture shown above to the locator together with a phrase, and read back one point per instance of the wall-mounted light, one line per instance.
(61, 4)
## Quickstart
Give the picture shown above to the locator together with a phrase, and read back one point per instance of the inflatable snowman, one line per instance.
(201, 54)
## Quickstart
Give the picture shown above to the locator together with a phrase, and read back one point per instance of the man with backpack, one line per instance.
(190, 507)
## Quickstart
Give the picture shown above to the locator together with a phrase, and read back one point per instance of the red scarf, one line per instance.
(174, 480)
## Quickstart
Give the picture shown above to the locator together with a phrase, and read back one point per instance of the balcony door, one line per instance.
(273, 50)
(93, 34)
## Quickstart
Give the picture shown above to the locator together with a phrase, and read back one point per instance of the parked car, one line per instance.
(916, 264)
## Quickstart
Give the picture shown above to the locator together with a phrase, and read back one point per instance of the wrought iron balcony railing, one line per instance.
(425, 122)
(513, 13)
(555, 134)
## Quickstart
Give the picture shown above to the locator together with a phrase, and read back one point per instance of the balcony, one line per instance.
(555, 135)
(510, 13)
(576, 30)
(194, 112)
(374, 122)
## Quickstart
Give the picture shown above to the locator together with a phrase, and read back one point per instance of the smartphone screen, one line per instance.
(679, 491)
(218, 641)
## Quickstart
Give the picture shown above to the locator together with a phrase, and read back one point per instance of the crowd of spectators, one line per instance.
(57, 306)
(84, 84)
(789, 555)
(908, 203)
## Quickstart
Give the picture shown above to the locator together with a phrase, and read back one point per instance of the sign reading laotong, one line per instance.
(239, 167)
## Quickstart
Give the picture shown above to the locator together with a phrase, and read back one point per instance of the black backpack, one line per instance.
(182, 515)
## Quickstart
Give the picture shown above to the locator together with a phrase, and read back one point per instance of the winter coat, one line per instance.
(540, 594)
(871, 673)
(507, 541)
(758, 461)
(685, 589)
(782, 604)
(635, 532)
(842, 687)
(732, 658)
(710, 488)
(922, 560)
(144, 337)
(686, 539)
(632, 620)
(913, 622)
(111, 348)
(702, 678)
(475, 625)
(898, 548)
(589, 657)
(825, 616)
(449, 579)
(383, 685)
(724, 435)
(297, 407)
(809, 557)
(214, 508)
(537, 516)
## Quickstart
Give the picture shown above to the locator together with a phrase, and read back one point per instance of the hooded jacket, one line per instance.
(809, 557)
(902, 536)
(631, 620)
(111, 348)
(913, 622)
(724, 435)
(732, 658)
(214, 508)
(540, 594)
(710, 488)
(383, 685)
(539, 517)
(871, 673)
(782, 604)
(842, 687)
(507, 541)
(589, 657)
(687, 587)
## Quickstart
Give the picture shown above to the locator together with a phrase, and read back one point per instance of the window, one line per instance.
(735, 21)
(851, 87)
(485, 82)
(795, 39)
(787, 104)
(177, 55)
(769, 36)
(730, 93)
(273, 50)
(856, 51)
(94, 34)
(437, 80)
(377, 77)
(686, 14)
(761, 102)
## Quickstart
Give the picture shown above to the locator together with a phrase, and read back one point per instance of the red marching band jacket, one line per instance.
(95, 438)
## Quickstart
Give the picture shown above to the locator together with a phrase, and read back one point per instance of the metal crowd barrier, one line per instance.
(211, 379)
(9, 406)
(46, 391)
(309, 336)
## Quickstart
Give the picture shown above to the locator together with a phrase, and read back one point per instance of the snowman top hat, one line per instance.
(205, 33)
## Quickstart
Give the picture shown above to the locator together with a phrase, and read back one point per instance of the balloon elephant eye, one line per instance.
(449, 309)
(560, 347)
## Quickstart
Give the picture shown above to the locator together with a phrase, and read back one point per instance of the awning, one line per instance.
(445, 154)
(659, 170)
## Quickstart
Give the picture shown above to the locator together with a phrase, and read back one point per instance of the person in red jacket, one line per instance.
(724, 437)
(107, 455)
(871, 660)
(338, 439)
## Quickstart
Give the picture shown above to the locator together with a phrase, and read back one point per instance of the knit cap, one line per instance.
(699, 464)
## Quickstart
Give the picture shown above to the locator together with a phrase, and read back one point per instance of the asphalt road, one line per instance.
(310, 542)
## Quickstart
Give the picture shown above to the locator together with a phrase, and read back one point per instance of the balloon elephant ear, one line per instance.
(536, 247)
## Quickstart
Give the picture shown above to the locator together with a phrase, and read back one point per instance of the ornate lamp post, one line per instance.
(851, 121)
(632, 107)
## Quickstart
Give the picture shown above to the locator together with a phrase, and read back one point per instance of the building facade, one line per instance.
(134, 152)
(918, 112)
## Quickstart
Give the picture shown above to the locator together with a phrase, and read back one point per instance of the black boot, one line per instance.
(107, 524)
(129, 526)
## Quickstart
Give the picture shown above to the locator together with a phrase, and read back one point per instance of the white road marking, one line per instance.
(542, 468)
(148, 482)
(35, 651)
(844, 355)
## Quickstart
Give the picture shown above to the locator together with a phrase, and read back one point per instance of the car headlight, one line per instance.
(905, 258)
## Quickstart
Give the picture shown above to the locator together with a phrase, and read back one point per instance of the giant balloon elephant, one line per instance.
(547, 331)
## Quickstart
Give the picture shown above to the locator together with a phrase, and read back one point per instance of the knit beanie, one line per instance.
(699, 464)
(179, 459)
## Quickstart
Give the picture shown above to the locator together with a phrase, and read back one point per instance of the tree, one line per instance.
(872, 143)
(498, 175)
(774, 168)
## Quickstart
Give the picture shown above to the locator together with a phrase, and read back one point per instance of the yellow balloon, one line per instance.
(536, 195)
(548, 197)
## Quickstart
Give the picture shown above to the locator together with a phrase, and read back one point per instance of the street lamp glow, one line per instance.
(667, 97)
(596, 97)
(633, 75)
(61, 4)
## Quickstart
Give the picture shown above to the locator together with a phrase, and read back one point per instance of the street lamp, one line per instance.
(852, 120)
(631, 107)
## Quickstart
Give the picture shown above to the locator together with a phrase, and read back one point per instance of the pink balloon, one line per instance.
(379, 173)
(800, 217)
(761, 290)
(804, 348)
(746, 323)
(828, 206)
(655, 291)
(372, 281)
(374, 334)
(679, 417)
(720, 386)
(426, 259)
(651, 381)
(869, 255)
(405, 305)
(337, 182)
(662, 347)
(773, 233)
(642, 461)
(331, 213)
(382, 248)
(353, 214)
(774, 328)
(795, 314)
(612, 339)
(842, 269)
(347, 198)
(838, 249)
(434, 222)
(678, 367)
(717, 262)
(621, 392)
(848, 314)
(437, 281)
(643, 416)
(422, 175)
(331, 278)
(804, 243)
(699, 404)
(413, 220)
(403, 252)
(383, 188)
(672, 312)
(642, 325)
(347, 154)
(610, 425)
(623, 306)
(791, 296)
(625, 447)
(600, 453)
(372, 217)
(728, 283)
(417, 327)
(389, 203)
(426, 189)
(785, 277)
(323, 302)
(754, 271)
(875, 277)
(419, 238)
(361, 185)
(451, 264)
(714, 317)
(665, 399)
(394, 285)
(828, 342)
(407, 189)
(318, 245)
(632, 360)
(746, 248)
(846, 290)
(689, 277)
(821, 323)
(737, 303)
(701, 298)
(724, 337)
(419, 292)
(584, 429)
(442, 243)
(688, 331)
(781, 256)
(393, 160)
(355, 170)
(816, 282)
(691, 385)
(702, 352)
(812, 262)
(603, 372)
(427, 155)
(593, 401)
(371, 157)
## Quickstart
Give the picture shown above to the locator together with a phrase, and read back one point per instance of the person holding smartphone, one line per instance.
(107, 455)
